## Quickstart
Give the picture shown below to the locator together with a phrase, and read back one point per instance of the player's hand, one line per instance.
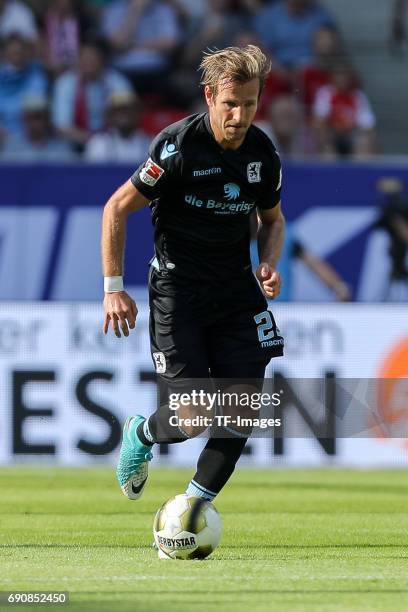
(342, 291)
(269, 279)
(120, 311)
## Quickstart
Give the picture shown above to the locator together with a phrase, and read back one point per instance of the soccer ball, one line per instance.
(186, 527)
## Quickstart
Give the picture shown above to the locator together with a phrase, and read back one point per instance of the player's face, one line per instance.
(232, 111)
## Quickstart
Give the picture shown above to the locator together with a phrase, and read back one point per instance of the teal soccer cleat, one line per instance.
(134, 456)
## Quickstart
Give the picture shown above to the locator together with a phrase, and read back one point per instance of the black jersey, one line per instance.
(202, 196)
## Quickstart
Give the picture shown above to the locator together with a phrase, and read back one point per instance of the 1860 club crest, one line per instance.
(254, 172)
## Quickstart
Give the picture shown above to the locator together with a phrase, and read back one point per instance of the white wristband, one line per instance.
(111, 284)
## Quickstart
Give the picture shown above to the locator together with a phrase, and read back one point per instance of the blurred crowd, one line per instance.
(97, 79)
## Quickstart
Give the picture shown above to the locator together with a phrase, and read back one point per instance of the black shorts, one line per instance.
(194, 329)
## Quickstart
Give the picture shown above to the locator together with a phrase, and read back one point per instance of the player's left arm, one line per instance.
(271, 235)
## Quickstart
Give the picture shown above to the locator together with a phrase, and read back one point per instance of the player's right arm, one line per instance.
(119, 308)
(146, 184)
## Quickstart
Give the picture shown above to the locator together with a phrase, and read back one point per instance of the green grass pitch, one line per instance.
(293, 540)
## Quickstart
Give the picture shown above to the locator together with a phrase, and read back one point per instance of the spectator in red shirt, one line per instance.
(327, 48)
(278, 83)
(342, 115)
(80, 95)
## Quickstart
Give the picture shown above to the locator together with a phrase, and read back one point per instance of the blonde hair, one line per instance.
(237, 64)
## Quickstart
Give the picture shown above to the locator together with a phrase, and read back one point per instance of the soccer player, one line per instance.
(209, 316)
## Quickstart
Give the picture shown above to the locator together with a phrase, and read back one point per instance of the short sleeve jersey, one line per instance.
(202, 196)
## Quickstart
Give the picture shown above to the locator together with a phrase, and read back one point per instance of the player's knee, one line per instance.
(193, 421)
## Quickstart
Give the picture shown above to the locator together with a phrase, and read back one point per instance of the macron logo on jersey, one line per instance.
(207, 171)
(168, 150)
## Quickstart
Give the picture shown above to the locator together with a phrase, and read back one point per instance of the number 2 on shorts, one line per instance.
(265, 326)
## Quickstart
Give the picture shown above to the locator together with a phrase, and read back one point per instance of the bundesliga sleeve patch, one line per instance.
(150, 173)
